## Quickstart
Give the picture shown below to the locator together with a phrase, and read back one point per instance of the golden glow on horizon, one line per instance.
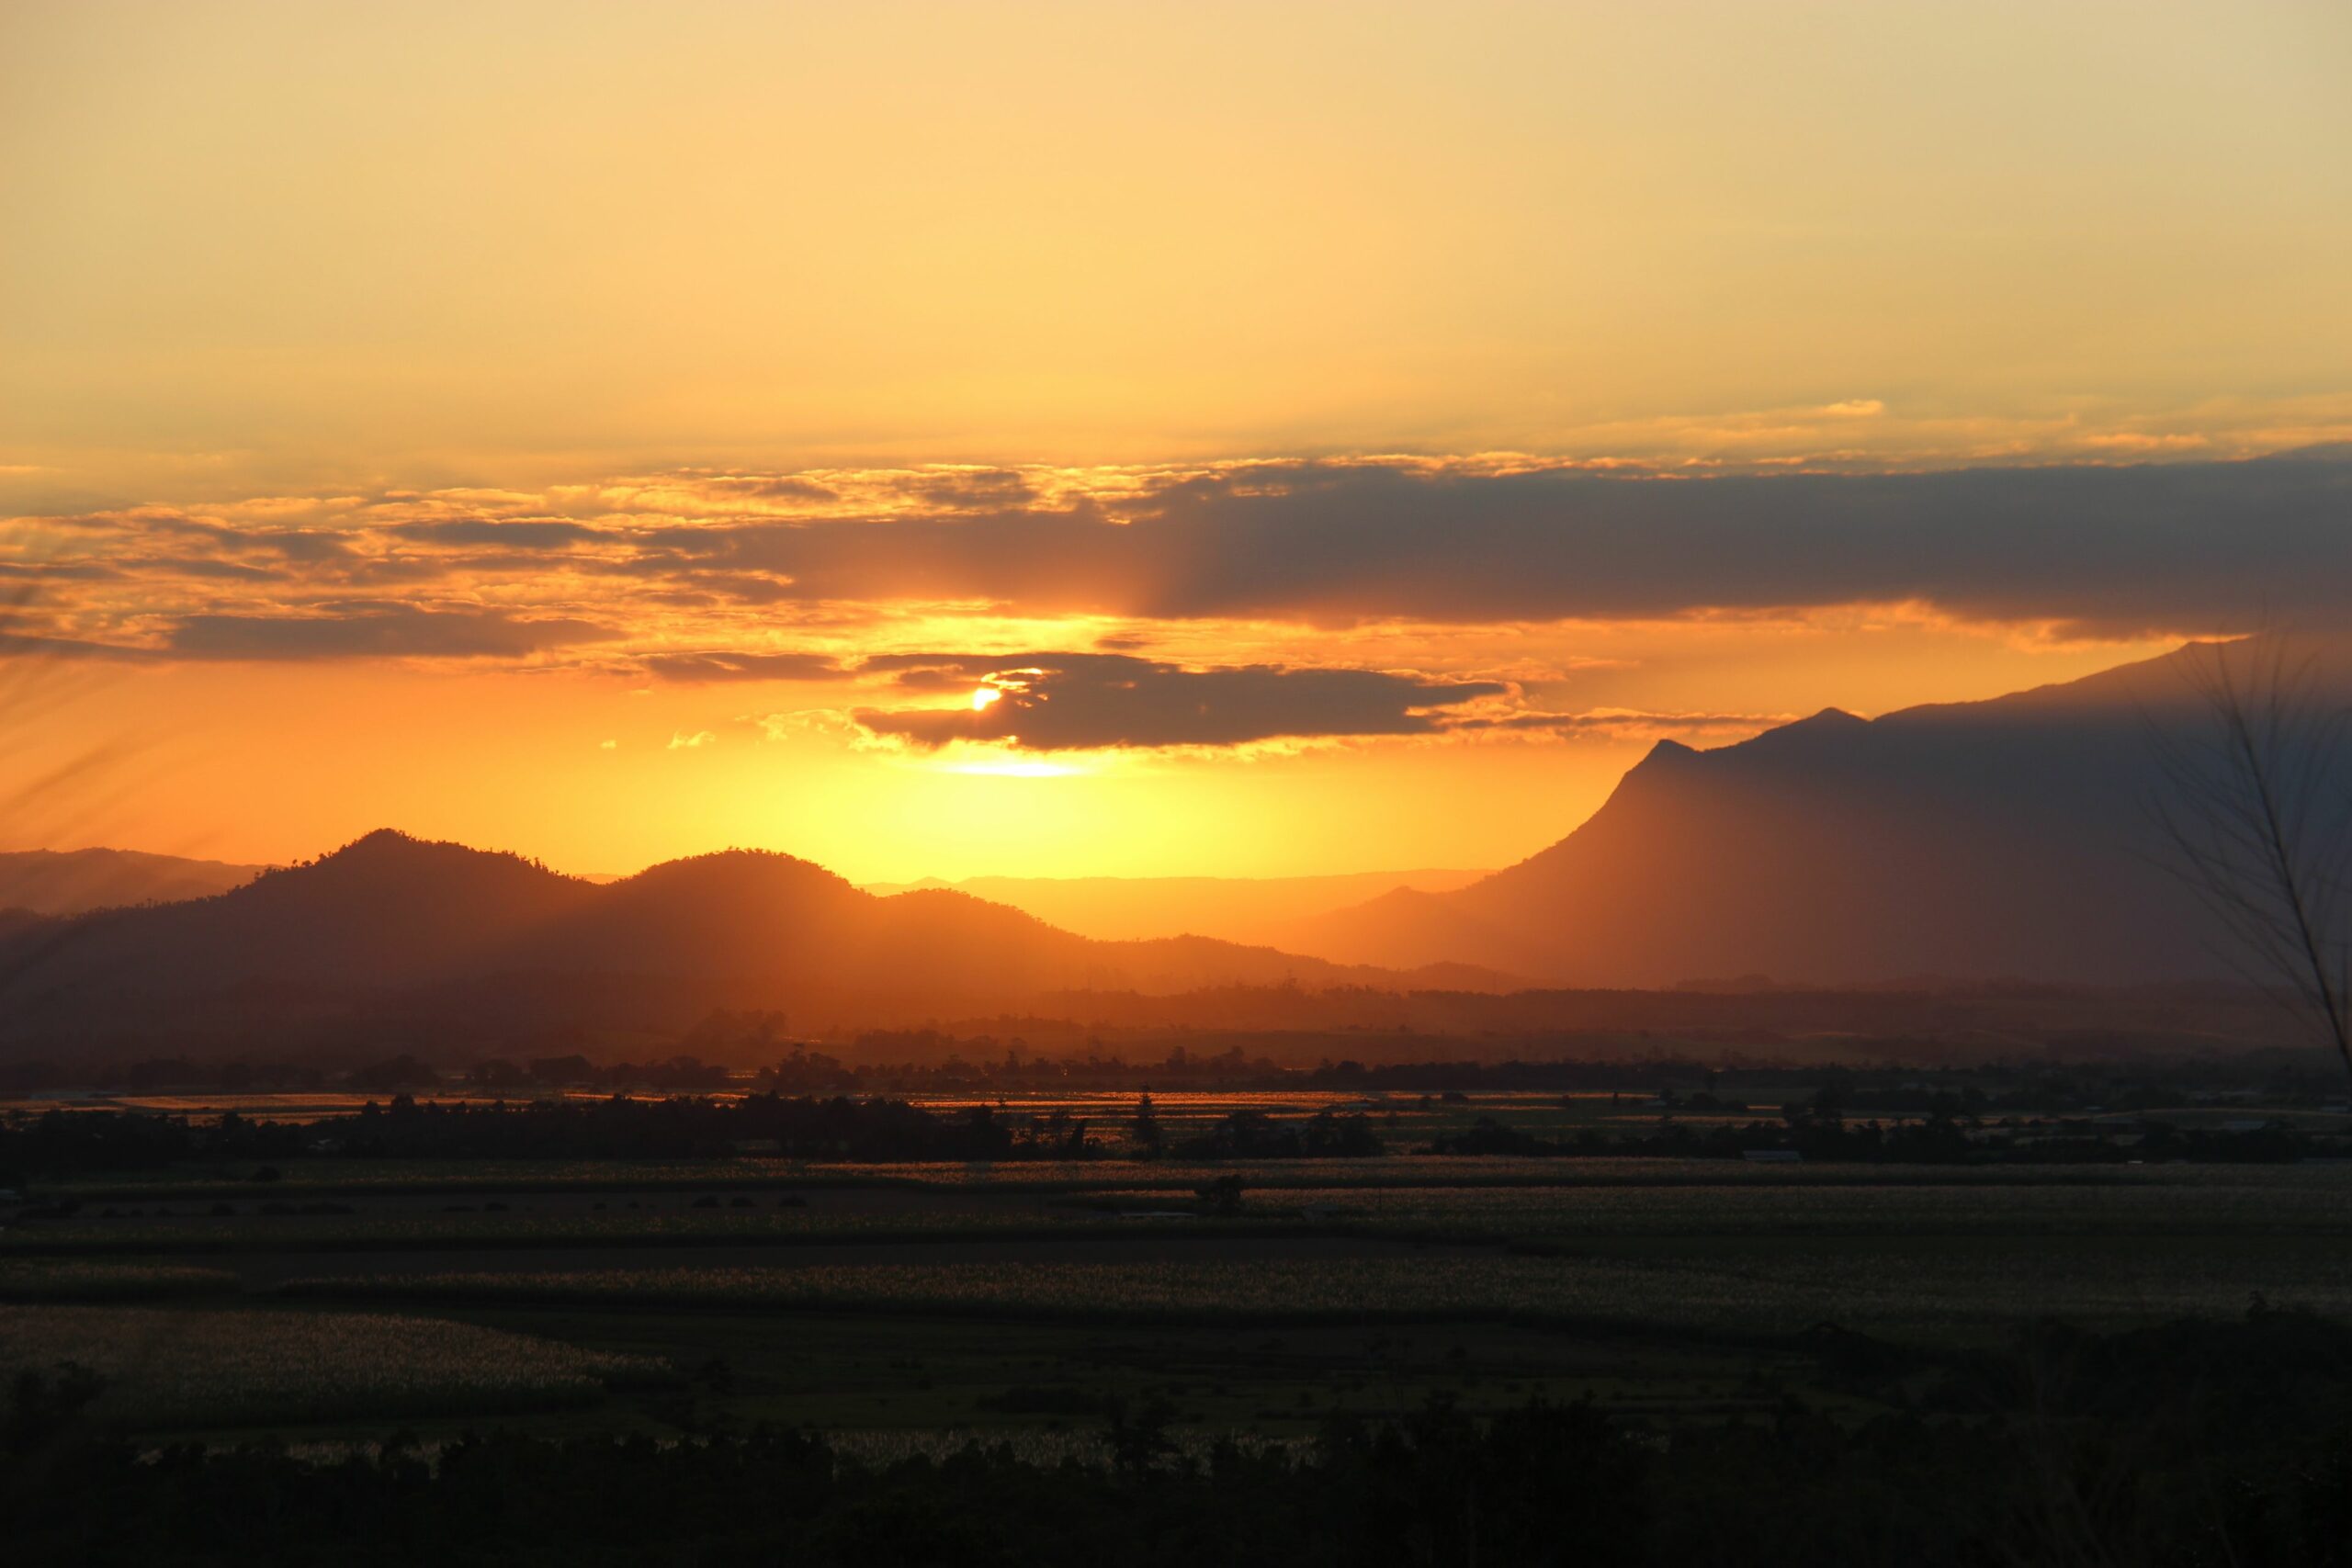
(279, 762)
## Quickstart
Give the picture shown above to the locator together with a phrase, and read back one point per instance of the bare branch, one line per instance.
(2258, 821)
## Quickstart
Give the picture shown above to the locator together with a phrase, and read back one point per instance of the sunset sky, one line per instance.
(1105, 438)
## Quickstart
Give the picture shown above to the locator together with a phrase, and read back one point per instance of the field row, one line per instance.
(2312, 1207)
(1777, 1293)
(403, 1232)
(2311, 1201)
(166, 1367)
(78, 1280)
(333, 1178)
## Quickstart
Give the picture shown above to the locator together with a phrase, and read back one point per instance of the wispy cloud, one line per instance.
(717, 667)
(1623, 724)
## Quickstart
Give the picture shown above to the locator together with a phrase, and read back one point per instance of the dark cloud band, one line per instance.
(1057, 702)
(2119, 550)
(393, 631)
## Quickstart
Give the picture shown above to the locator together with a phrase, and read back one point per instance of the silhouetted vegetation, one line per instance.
(2090, 1072)
(810, 1127)
(1252, 1134)
(1937, 1140)
(2182, 1445)
(678, 1128)
(57, 1142)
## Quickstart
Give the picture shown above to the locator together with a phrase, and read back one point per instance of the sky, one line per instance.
(1059, 440)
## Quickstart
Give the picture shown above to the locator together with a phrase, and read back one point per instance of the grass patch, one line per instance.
(178, 1368)
(76, 1281)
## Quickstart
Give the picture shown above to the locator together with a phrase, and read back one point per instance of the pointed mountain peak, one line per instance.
(1666, 753)
(1804, 736)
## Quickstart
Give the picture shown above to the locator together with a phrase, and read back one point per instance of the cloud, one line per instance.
(377, 631)
(702, 667)
(38, 572)
(2126, 549)
(681, 741)
(234, 571)
(24, 644)
(768, 487)
(984, 488)
(1054, 701)
(2121, 552)
(504, 533)
(1624, 723)
(2120, 549)
(699, 494)
(744, 587)
(296, 544)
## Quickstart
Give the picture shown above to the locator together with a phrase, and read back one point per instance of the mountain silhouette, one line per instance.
(72, 882)
(391, 916)
(2007, 838)
(1257, 910)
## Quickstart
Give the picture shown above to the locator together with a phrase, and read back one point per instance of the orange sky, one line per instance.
(1346, 436)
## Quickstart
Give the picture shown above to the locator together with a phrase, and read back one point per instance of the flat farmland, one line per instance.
(1892, 1288)
(911, 1304)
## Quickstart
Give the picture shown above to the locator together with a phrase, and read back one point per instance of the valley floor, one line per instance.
(905, 1307)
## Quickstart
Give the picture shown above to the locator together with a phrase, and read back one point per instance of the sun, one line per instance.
(983, 696)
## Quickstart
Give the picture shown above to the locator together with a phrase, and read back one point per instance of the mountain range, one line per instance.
(1260, 911)
(2010, 840)
(393, 920)
(72, 882)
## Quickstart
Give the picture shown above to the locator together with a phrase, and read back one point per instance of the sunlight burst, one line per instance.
(1016, 767)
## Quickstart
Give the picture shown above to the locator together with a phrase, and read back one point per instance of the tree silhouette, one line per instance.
(2256, 817)
(1143, 1130)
